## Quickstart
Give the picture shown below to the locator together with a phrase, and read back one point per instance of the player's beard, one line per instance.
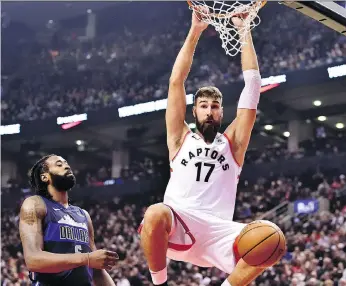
(208, 130)
(63, 183)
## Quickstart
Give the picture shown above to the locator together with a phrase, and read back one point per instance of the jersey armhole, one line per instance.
(85, 212)
(182, 143)
(230, 147)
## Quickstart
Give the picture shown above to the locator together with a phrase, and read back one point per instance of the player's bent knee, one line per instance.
(261, 244)
(157, 216)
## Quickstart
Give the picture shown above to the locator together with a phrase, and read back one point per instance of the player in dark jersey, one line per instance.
(57, 237)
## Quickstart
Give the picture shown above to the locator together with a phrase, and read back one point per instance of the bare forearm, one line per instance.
(184, 59)
(248, 55)
(102, 278)
(47, 262)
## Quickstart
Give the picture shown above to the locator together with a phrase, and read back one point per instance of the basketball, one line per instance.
(261, 244)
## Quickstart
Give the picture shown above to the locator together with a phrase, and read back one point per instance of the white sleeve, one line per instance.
(250, 95)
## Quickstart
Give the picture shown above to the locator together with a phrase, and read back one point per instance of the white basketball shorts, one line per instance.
(203, 239)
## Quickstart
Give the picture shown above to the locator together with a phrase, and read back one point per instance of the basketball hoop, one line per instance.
(220, 15)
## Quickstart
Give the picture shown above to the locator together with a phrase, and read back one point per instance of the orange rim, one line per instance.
(189, 2)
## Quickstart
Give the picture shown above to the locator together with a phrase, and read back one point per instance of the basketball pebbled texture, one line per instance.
(261, 244)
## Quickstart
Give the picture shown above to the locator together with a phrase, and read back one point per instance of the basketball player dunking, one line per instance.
(194, 223)
(57, 237)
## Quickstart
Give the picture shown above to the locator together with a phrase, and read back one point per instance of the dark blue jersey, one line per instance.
(65, 230)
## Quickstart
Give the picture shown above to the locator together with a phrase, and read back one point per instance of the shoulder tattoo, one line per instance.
(32, 210)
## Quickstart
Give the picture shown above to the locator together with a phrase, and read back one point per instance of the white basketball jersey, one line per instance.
(204, 176)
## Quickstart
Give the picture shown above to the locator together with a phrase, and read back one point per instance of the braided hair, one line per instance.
(36, 184)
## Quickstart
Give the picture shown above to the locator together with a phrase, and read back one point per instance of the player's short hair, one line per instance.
(209, 92)
(36, 184)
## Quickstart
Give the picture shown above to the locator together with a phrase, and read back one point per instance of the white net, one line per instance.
(219, 14)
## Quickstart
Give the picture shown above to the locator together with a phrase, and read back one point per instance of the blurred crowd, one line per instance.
(145, 166)
(99, 173)
(307, 148)
(316, 244)
(139, 168)
(133, 64)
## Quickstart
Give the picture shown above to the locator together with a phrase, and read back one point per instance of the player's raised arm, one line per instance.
(239, 132)
(101, 277)
(176, 106)
(32, 214)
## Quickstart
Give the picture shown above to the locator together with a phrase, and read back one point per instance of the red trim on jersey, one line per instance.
(176, 154)
(181, 247)
(230, 146)
(235, 250)
(175, 246)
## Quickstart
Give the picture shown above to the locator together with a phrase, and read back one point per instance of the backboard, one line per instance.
(329, 13)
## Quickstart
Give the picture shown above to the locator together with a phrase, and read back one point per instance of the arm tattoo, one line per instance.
(29, 216)
(33, 211)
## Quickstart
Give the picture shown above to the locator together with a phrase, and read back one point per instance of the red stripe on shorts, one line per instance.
(235, 250)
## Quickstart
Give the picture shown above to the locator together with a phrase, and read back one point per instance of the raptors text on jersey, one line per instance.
(204, 176)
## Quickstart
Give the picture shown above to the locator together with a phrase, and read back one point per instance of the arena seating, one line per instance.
(311, 147)
(316, 248)
(131, 63)
(117, 68)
